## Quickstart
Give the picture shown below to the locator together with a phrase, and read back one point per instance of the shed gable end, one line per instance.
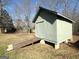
(47, 16)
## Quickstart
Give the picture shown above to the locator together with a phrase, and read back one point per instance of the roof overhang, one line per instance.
(41, 8)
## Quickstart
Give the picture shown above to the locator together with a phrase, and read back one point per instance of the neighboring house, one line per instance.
(76, 28)
(52, 27)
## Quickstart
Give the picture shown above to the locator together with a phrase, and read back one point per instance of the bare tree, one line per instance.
(28, 22)
(74, 9)
(65, 7)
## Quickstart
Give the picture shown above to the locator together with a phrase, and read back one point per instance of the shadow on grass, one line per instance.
(74, 45)
(51, 44)
(4, 57)
(31, 44)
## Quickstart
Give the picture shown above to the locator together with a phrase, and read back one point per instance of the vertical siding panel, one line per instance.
(39, 32)
(64, 30)
(47, 29)
(51, 34)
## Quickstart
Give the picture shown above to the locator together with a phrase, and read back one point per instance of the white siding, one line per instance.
(51, 32)
(64, 30)
(46, 30)
(39, 28)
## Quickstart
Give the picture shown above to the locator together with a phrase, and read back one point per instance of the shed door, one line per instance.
(39, 28)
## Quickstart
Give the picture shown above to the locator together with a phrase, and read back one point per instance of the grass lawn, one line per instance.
(36, 51)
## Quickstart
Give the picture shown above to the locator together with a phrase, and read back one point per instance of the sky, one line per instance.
(16, 9)
(22, 8)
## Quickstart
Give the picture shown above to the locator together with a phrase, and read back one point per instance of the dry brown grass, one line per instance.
(37, 51)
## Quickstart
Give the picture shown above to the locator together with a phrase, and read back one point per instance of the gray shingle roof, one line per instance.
(50, 11)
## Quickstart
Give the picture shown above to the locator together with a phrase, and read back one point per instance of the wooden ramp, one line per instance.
(22, 44)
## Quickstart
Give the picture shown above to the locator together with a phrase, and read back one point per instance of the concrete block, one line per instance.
(66, 41)
(10, 47)
(42, 42)
(57, 46)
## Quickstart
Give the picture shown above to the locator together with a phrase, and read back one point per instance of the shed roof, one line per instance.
(53, 12)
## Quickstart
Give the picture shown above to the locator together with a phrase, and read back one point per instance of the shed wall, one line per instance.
(51, 32)
(64, 30)
(45, 27)
(39, 28)
(51, 29)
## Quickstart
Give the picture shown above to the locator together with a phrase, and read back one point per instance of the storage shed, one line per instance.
(52, 27)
